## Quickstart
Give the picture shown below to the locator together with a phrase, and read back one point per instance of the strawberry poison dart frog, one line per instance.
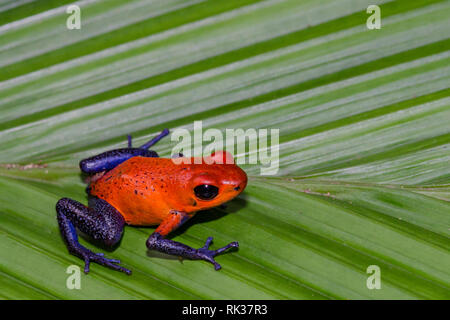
(134, 186)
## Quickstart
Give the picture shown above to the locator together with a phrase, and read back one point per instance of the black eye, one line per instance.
(206, 191)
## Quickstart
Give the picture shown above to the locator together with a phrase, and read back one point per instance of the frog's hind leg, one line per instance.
(150, 143)
(110, 159)
(129, 141)
(101, 221)
(153, 141)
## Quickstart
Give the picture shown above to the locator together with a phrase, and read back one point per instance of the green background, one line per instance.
(364, 142)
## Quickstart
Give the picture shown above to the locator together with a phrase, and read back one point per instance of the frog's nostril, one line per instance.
(237, 188)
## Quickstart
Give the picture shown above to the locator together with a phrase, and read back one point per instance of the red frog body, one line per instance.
(146, 190)
(134, 186)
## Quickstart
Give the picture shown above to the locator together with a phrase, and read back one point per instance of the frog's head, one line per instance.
(216, 182)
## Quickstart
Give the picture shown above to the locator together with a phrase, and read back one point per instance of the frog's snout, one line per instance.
(240, 180)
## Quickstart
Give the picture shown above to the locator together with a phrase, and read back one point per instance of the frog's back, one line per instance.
(138, 188)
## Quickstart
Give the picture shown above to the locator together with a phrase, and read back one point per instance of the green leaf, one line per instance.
(364, 142)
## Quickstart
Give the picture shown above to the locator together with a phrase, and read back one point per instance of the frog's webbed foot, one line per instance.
(88, 256)
(208, 255)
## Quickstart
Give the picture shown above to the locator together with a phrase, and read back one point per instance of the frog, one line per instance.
(134, 186)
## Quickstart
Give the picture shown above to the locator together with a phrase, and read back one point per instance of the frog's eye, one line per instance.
(206, 191)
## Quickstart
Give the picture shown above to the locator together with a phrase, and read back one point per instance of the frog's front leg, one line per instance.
(100, 220)
(157, 241)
